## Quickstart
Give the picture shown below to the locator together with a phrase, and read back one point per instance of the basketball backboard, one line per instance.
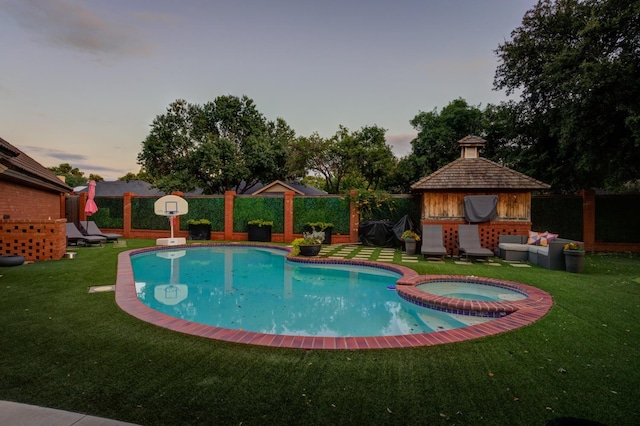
(171, 205)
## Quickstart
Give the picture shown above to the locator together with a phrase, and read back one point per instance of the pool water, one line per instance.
(469, 290)
(259, 290)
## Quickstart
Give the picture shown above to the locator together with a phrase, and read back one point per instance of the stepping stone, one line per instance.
(521, 265)
(493, 264)
(459, 262)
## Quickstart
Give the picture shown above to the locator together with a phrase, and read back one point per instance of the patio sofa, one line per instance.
(551, 256)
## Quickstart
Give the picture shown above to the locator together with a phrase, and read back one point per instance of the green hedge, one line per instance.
(558, 214)
(110, 212)
(246, 208)
(143, 215)
(617, 218)
(210, 208)
(322, 209)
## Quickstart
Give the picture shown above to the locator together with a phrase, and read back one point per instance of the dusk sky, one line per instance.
(82, 80)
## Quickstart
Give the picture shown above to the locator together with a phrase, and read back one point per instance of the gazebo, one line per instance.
(470, 179)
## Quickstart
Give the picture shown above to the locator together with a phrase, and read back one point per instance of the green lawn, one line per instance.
(64, 348)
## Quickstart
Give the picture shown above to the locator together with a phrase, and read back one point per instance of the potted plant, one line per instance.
(410, 239)
(199, 229)
(574, 257)
(259, 230)
(309, 245)
(325, 227)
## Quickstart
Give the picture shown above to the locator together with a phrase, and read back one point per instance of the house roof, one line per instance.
(117, 188)
(298, 188)
(16, 166)
(477, 173)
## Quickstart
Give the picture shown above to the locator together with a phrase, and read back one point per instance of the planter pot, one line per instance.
(259, 233)
(310, 250)
(574, 260)
(327, 233)
(410, 245)
(200, 232)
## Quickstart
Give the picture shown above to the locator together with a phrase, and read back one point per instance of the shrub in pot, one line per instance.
(199, 229)
(259, 230)
(309, 245)
(410, 239)
(325, 227)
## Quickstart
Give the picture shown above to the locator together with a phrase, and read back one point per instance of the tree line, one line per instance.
(574, 63)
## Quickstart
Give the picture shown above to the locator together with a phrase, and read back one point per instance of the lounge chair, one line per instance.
(90, 228)
(432, 241)
(469, 242)
(74, 236)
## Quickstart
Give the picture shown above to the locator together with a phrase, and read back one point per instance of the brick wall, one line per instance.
(23, 202)
(34, 239)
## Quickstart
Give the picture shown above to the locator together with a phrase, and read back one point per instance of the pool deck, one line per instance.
(521, 313)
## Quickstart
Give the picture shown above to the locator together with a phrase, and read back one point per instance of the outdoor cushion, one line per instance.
(534, 238)
(546, 238)
(513, 246)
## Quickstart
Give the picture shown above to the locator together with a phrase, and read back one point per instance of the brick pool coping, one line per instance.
(522, 312)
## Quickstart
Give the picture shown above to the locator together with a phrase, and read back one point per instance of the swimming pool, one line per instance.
(166, 297)
(257, 289)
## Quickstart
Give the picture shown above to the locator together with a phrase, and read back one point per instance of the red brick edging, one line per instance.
(523, 312)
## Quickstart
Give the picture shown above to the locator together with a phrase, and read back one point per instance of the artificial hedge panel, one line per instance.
(251, 207)
(558, 214)
(617, 218)
(210, 208)
(331, 209)
(110, 212)
(143, 215)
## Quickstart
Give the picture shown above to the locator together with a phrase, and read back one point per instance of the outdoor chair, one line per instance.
(74, 236)
(91, 229)
(469, 242)
(432, 241)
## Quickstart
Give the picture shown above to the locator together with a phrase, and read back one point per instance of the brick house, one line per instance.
(32, 207)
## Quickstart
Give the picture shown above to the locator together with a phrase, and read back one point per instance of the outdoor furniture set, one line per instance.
(540, 248)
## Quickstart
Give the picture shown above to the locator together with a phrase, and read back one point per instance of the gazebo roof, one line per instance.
(477, 173)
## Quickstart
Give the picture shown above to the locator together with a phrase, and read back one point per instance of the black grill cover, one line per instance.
(383, 233)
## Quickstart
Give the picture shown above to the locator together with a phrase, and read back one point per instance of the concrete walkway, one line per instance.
(16, 414)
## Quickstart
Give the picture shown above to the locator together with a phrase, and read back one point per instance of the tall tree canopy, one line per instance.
(577, 65)
(73, 176)
(347, 160)
(222, 145)
(435, 145)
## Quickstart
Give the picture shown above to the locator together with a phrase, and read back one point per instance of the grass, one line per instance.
(64, 348)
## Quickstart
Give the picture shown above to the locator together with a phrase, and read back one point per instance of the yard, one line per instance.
(63, 347)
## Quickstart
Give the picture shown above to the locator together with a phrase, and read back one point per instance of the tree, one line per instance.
(141, 175)
(577, 64)
(73, 176)
(373, 156)
(222, 145)
(438, 134)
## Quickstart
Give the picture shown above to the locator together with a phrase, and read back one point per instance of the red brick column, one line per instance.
(126, 214)
(589, 219)
(354, 218)
(229, 196)
(288, 216)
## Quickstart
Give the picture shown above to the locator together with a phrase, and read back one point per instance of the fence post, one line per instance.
(83, 203)
(229, 196)
(288, 216)
(126, 214)
(354, 217)
(589, 219)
